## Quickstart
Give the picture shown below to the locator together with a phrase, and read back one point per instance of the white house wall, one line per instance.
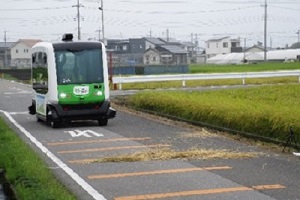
(20, 51)
(214, 48)
(20, 56)
(153, 58)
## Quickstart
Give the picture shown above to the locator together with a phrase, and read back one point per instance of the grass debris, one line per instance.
(168, 154)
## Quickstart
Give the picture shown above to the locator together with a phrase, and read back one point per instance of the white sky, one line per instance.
(48, 20)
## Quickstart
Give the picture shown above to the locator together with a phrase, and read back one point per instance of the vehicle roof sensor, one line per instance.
(67, 37)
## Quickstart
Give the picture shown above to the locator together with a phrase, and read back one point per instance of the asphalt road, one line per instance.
(69, 150)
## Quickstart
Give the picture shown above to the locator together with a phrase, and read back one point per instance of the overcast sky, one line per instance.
(49, 19)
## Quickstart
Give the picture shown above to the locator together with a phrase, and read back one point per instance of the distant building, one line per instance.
(224, 45)
(146, 50)
(5, 55)
(140, 45)
(119, 46)
(20, 52)
(151, 57)
(254, 49)
(166, 54)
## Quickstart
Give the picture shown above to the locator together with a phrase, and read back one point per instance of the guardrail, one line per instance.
(186, 77)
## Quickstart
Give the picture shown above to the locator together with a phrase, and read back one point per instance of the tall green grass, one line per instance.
(267, 111)
(28, 174)
(266, 66)
(205, 83)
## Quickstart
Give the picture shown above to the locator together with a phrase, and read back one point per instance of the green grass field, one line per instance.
(266, 111)
(29, 175)
(268, 66)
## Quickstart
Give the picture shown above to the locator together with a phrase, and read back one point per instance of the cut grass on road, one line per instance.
(167, 154)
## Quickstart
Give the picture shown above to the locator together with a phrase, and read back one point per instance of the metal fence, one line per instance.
(186, 77)
(150, 69)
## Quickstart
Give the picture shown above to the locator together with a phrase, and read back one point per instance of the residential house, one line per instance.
(224, 45)
(146, 50)
(118, 51)
(119, 46)
(151, 57)
(255, 49)
(130, 51)
(20, 52)
(166, 54)
(140, 45)
(159, 50)
(5, 56)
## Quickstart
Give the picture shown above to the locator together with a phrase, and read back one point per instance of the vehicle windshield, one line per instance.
(79, 66)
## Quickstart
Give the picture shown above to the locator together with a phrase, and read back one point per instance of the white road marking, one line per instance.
(86, 133)
(19, 113)
(80, 181)
(296, 154)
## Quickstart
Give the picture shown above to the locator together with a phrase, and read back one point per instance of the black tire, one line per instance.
(55, 124)
(38, 119)
(102, 122)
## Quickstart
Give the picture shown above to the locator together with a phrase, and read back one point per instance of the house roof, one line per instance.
(255, 46)
(154, 40)
(118, 41)
(152, 49)
(188, 44)
(174, 49)
(217, 39)
(169, 40)
(7, 45)
(27, 42)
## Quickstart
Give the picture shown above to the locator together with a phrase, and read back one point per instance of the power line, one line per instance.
(176, 12)
(34, 9)
(285, 8)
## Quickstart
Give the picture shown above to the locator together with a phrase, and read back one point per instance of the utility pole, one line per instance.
(298, 35)
(192, 41)
(265, 30)
(5, 51)
(245, 44)
(102, 18)
(78, 18)
(168, 36)
(99, 32)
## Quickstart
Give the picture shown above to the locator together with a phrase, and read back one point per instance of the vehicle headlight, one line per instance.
(99, 93)
(63, 95)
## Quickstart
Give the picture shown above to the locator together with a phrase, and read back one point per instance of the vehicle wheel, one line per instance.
(102, 122)
(38, 119)
(54, 124)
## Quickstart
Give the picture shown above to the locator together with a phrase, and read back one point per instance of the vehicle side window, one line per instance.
(39, 72)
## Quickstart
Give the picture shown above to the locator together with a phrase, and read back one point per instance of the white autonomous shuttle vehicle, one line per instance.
(70, 80)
